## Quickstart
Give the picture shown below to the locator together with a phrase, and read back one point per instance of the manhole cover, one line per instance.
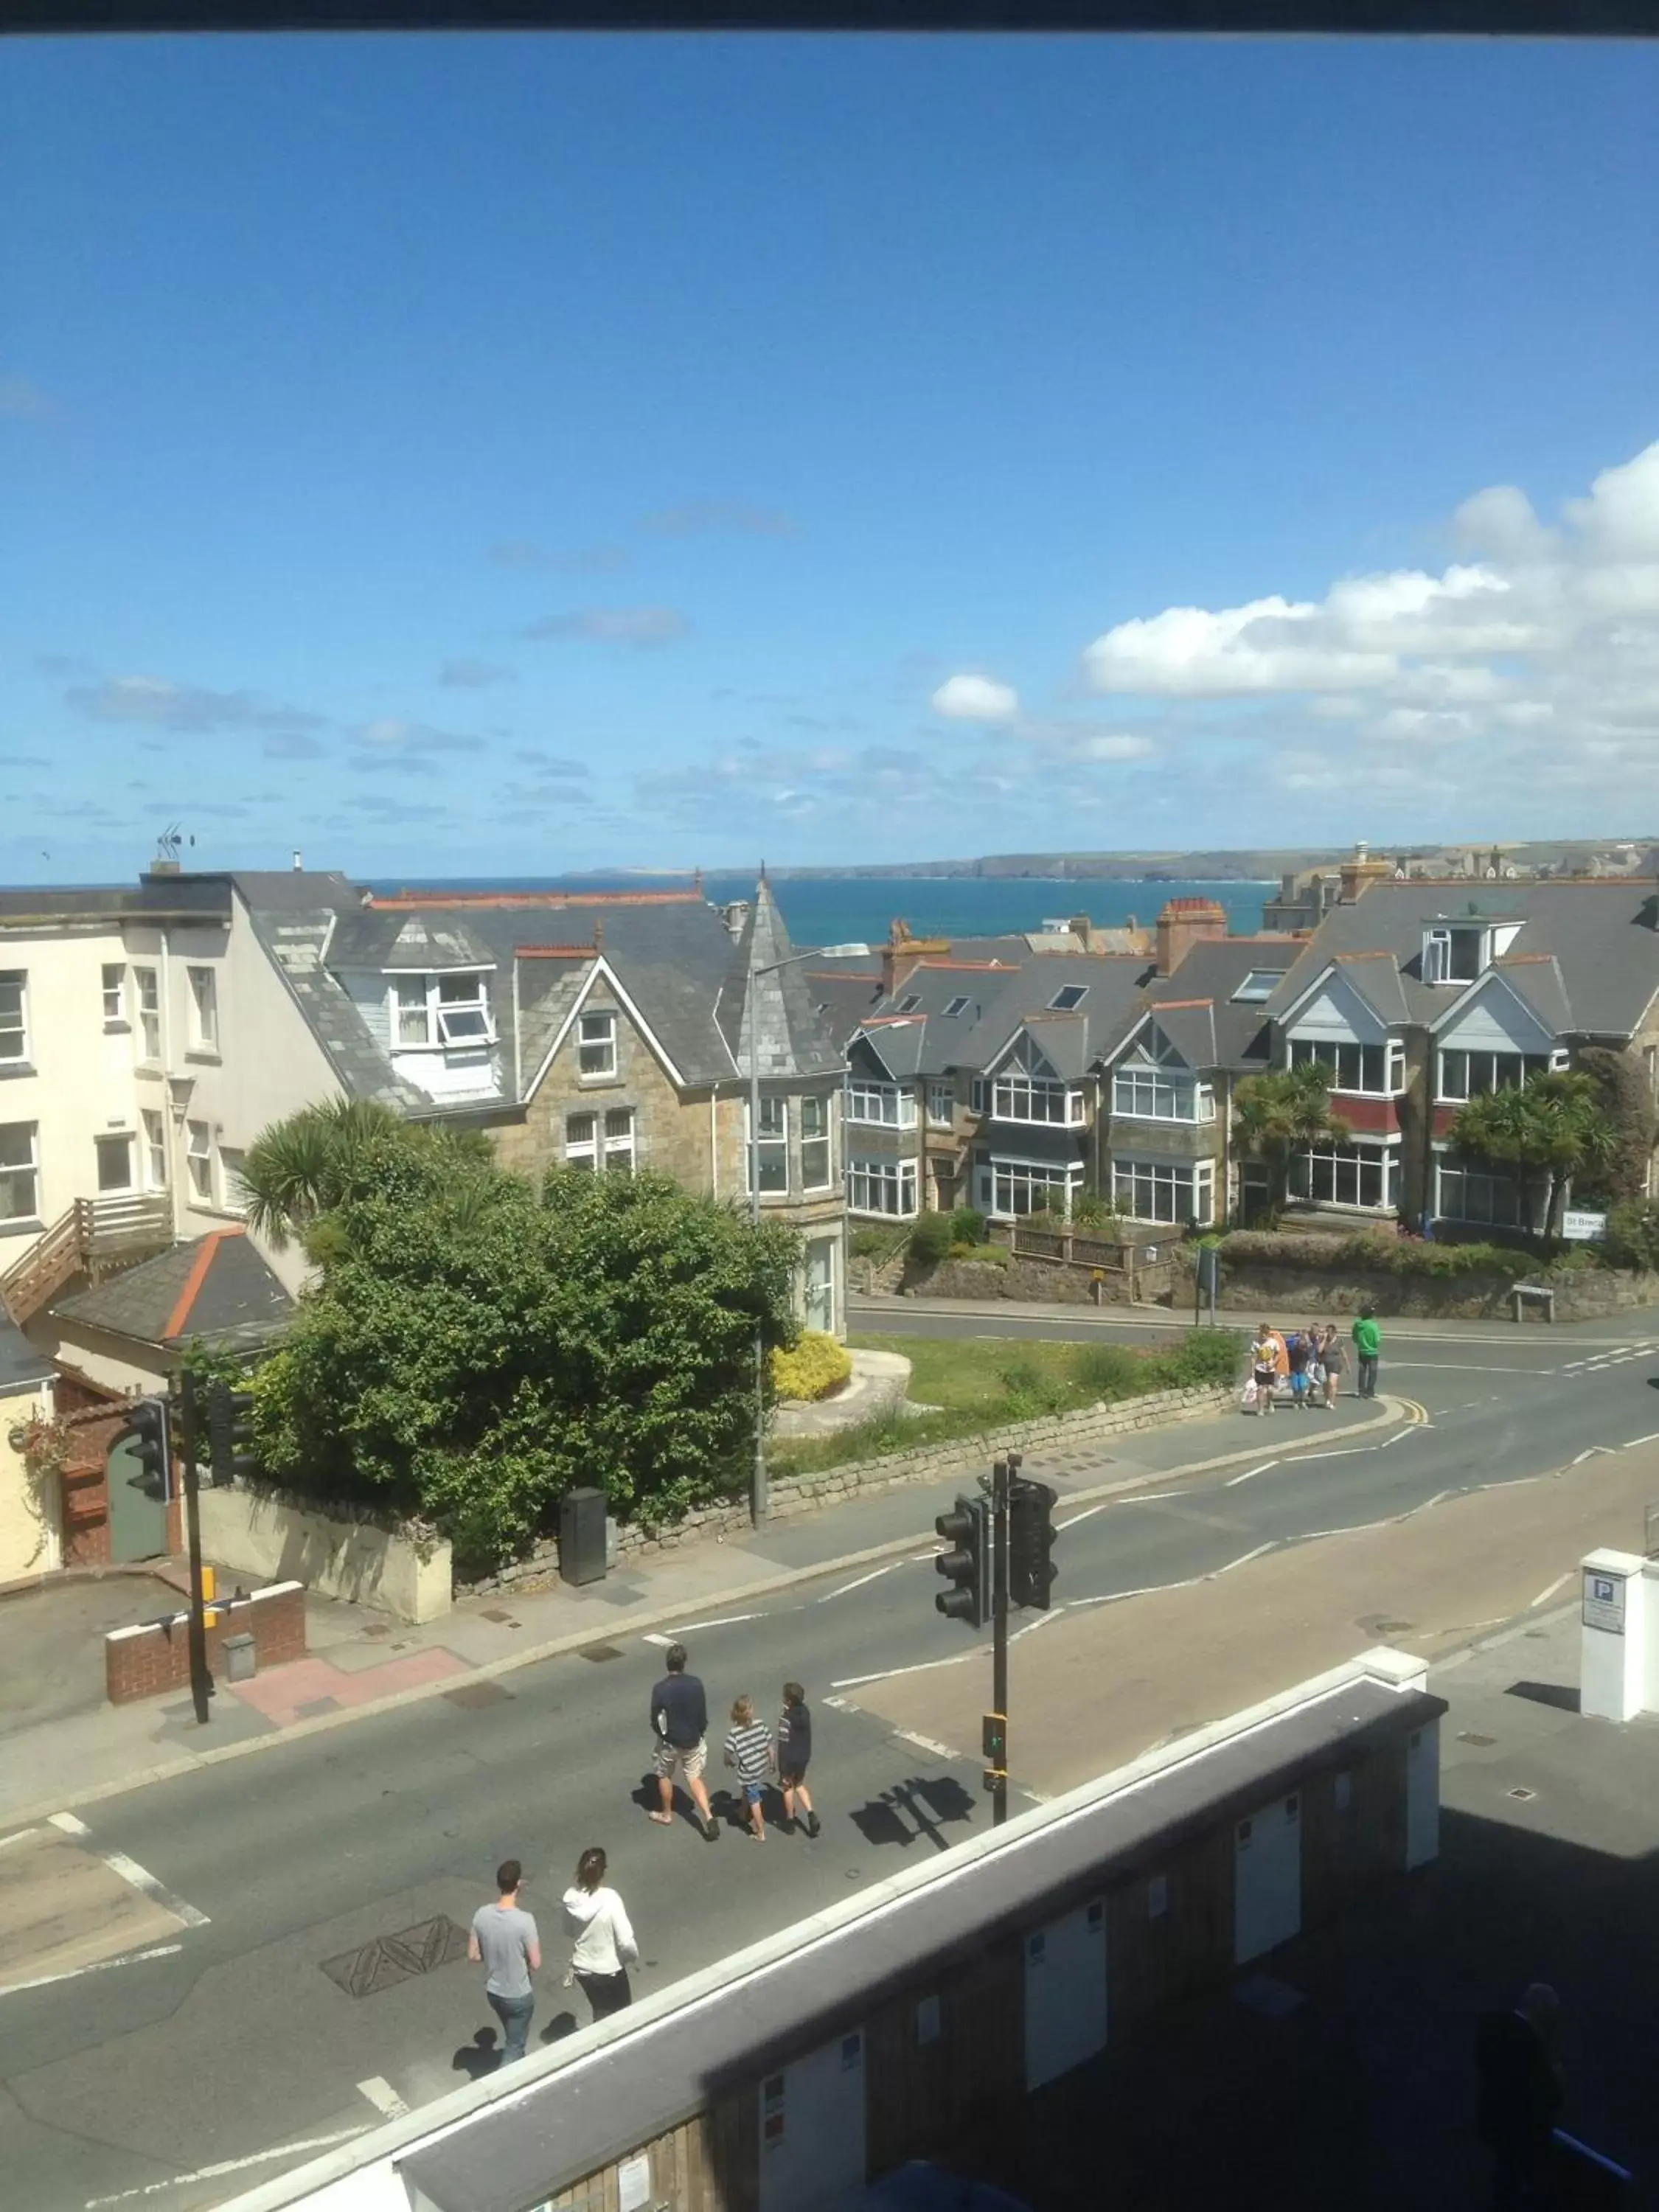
(471, 1695)
(599, 1652)
(1468, 1735)
(1383, 1624)
(1522, 1794)
(389, 1960)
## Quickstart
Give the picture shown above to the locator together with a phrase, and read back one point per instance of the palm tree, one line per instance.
(1547, 1129)
(298, 1170)
(1285, 1112)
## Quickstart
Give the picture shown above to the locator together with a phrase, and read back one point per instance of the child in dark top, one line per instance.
(794, 1750)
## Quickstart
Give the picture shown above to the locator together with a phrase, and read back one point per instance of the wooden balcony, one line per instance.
(96, 1237)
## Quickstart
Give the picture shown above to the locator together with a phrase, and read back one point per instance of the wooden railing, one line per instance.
(94, 1234)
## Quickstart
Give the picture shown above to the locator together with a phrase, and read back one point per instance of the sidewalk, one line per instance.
(889, 1309)
(362, 1662)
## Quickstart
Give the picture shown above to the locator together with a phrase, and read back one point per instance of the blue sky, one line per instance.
(504, 455)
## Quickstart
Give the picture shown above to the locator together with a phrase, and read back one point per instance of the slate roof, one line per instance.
(791, 1038)
(1237, 1035)
(153, 898)
(217, 1287)
(1601, 933)
(21, 1367)
(1071, 1041)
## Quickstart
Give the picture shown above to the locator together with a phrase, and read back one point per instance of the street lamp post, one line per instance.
(758, 1502)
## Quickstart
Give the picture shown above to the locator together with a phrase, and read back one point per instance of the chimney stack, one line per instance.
(903, 953)
(299, 863)
(1360, 872)
(1183, 923)
(1084, 930)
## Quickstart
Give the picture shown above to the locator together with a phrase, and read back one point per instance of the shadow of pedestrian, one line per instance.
(560, 2025)
(478, 2057)
(913, 1810)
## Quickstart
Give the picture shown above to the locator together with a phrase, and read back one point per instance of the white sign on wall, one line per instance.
(1583, 1228)
(1604, 1602)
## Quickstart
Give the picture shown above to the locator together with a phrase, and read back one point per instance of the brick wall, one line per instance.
(92, 1429)
(152, 1657)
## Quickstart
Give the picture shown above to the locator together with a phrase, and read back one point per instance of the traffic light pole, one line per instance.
(1001, 1479)
(201, 1682)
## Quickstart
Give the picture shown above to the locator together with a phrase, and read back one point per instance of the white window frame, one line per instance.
(1338, 1164)
(147, 982)
(956, 1006)
(198, 1163)
(1258, 987)
(1333, 1052)
(115, 995)
(619, 1140)
(1437, 952)
(941, 1103)
(772, 1147)
(1487, 1197)
(1010, 1179)
(153, 1137)
(420, 1018)
(203, 1009)
(1040, 1101)
(817, 1150)
(979, 1094)
(596, 1045)
(1172, 1191)
(1141, 1093)
(15, 1018)
(884, 1105)
(872, 1182)
(19, 1177)
(1495, 1075)
(582, 1151)
(107, 1137)
(453, 1013)
(1068, 998)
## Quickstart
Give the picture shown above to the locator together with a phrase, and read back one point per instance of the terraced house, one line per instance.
(1417, 995)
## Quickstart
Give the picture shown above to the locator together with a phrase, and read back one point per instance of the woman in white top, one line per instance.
(604, 1948)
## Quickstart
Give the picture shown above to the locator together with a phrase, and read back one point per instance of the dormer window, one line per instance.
(909, 1005)
(1259, 984)
(441, 1012)
(956, 1006)
(1068, 998)
(1452, 954)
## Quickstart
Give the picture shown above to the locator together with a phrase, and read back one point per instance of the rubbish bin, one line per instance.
(242, 1658)
(581, 1536)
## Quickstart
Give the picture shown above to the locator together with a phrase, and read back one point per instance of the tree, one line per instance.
(1287, 1111)
(298, 1170)
(1547, 1129)
(1626, 1095)
(473, 1350)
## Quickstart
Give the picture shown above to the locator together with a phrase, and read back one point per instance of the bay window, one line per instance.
(882, 1187)
(1149, 1094)
(1176, 1191)
(887, 1103)
(1358, 1175)
(1464, 1075)
(1480, 1195)
(1018, 1097)
(1376, 1071)
(771, 1142)
(816, 1171)
(1016, 1187)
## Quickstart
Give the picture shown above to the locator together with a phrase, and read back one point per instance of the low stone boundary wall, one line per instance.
(794, 1494)
(1581, 1293)
(395, 1569)
(1059, 1282)
(153, 1656)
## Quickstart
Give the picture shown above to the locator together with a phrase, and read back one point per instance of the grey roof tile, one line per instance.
(21, 1367)
(239, 1296)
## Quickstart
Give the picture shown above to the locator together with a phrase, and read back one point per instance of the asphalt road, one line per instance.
(173, 2080)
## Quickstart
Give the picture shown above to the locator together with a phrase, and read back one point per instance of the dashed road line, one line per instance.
(1651, 1438)
(725, 1620)
(874, 1575)
(229, 2166)
(927, 1743)
(1087, 1514)
(1041, 1621)
(1543, 1595)
(129, 1871)
(1147, 1589)
(1251, 1472)
(96, 1967)
(1401, 1435)
(1589, 1452)
(384, 2098)
(17, 1836)
(662, 1642)
(1244, 1561)
(928, 1666)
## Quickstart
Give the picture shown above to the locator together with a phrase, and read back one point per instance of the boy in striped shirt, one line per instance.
(748, 1748)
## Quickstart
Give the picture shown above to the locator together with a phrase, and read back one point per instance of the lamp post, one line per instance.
(758, 1506)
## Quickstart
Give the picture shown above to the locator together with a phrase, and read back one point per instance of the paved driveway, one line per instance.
(51, 1642)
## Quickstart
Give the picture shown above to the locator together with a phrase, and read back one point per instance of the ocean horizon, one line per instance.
(843, 909)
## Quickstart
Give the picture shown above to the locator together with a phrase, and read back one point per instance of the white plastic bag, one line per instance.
(1249, 1400)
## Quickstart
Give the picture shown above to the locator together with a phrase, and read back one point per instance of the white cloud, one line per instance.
(390, 738)
(191, 709)
(638, 626)
(975, 699)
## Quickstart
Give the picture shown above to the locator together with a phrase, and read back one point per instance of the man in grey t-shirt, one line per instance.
(504, 1940)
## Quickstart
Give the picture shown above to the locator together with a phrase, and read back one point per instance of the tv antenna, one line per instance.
(168, 843)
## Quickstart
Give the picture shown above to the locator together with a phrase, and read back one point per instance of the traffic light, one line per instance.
(230, 1433)
(1031, 1544)
(146, 1428)
(967, 1564)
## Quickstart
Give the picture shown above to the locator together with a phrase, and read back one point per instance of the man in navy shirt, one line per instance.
(679, 1722)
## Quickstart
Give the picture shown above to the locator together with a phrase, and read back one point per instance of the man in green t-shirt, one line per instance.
(1367, 1346)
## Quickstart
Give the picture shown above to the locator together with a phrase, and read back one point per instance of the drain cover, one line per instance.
(1468, 1735)
(1522, 1794)
(471, 1695)
(389, 1960)
(599, 1652)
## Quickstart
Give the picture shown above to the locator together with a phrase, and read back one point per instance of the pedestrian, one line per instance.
(504, 1941)
(1264, 1366)
(794, 1749)
(1333, 1359)
(749, 1749)
(679, 1722)
(1298, 1351)
(1315, 1338)
(1367, 1346)
(1520, 2094)
(604, 1946)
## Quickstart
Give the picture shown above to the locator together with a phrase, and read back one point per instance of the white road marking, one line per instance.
(1589, 1452)
(841, 1704)
(17, 1836)
(1400, 1436)
(1244, 1561)
(1149, 1496)
(1088, 1514)
(97, 1966)
(874, 1575)
(384, 2098)
(927, 1743)
(229, 2166)
(1463, 1367)
(1342, 1451)
(131, 1872)
(1554, 1586)
(1041, 1621)
(662, 1642)
(725, 1620)
(888, 1674)
(1438, 1496)
(1653, 1438)
(1148, 1590)
(1250, 1474)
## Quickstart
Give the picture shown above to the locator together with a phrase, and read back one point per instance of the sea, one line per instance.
(843, 909)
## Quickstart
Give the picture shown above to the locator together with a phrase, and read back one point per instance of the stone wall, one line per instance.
(153, 1656)
(1581, 1293)
(1039, 1281)
(792, 1495)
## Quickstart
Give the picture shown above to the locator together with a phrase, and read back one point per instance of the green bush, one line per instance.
(932, 1238)
(969, 1225)
(868, 1243)
(1632, 1238)
(1031, 1393)
(1109, 1371)
(815, 1366)
(982, 1256)
(1374, 1251)
(1205, 1355)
